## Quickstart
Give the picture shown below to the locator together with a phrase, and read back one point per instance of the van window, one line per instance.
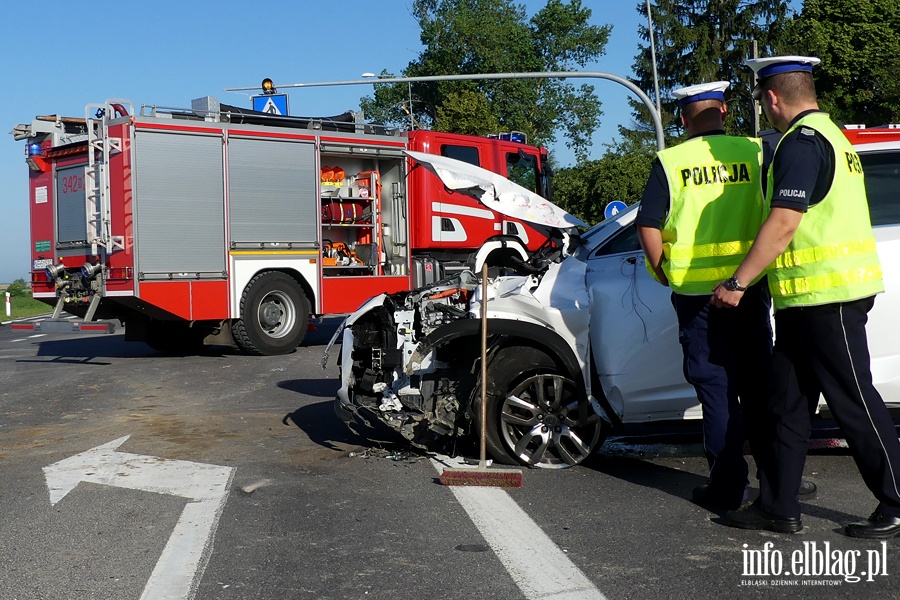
(467, 154)
(882, 171)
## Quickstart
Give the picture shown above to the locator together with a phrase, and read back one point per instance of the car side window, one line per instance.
(623, 241)
(882, 170)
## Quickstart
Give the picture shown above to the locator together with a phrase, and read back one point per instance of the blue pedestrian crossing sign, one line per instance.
(273, 104)
(614, 208)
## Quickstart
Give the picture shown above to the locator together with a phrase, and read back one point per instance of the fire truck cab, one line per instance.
(217, 220)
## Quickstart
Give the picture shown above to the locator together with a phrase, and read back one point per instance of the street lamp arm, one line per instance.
(654, 114)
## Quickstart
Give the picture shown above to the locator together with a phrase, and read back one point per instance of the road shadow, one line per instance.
(320, 388)
(86, 350)
(322, 425)
(630, 458)
(631, 462)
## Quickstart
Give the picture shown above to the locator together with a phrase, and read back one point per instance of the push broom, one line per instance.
(482, 475)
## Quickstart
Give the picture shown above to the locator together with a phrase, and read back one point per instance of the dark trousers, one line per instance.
(823, 350)
(725, 351)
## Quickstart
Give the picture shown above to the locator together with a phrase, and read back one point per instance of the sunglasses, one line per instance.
(757, 92)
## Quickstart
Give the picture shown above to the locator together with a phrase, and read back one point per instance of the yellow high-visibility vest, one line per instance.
(715, 209)
(832, 256)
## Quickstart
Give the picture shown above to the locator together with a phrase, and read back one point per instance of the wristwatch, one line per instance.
(732, 285)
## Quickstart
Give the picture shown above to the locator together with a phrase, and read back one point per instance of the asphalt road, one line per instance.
(228, 476)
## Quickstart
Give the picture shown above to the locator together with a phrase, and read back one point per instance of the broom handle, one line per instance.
(482, 462)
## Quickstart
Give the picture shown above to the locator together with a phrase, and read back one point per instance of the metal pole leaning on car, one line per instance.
(481, 475)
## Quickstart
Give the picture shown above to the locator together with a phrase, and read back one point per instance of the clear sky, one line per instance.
(60, 55)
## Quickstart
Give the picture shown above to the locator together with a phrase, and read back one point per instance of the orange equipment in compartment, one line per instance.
(363, 180)
(338, 254)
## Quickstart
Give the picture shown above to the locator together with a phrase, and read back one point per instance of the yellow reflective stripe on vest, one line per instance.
(711, 275)
(817, 283)
(708, 250)
(805, 256)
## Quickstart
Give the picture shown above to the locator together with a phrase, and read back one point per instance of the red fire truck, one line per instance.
(217, 220)
(860, 134)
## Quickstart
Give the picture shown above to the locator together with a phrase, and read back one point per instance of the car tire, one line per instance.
(274, 315)
(537, 415)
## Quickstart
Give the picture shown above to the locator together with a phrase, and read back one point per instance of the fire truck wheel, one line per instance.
(274, 315)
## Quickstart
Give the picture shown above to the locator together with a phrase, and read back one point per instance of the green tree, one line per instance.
(496, 36)
(620, 174)
(859, 44)
(699, 41)
(18, 288)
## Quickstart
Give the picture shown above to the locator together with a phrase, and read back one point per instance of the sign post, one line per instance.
(8, 306)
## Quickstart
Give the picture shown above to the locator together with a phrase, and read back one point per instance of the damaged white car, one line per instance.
(580, 341)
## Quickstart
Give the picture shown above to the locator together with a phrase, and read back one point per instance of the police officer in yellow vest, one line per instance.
(701, 208)
(823, 277)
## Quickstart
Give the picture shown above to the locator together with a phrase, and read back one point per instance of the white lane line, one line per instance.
(537, 565)
(37, 335)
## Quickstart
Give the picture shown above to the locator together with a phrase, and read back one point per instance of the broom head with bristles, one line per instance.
(505, 478)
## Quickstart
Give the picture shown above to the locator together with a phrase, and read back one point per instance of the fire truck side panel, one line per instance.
(300, 264)
(346, 294)
(190, 300)
(120, 279)
(272, 211)
(43, 242)
(179, 207)
(272, 200)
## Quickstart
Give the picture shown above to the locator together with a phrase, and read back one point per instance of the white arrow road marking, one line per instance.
(185, 556)
(536, 564)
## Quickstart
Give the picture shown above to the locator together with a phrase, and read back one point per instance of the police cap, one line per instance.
(775, 65)
(701, 91)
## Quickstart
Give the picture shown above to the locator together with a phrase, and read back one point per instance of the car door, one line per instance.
(634, 333)
(881, 165)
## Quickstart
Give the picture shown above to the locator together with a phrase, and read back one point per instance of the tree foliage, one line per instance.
(699, 41)
(858, 41)
(620, 174)
(18, 288)
(496, 36)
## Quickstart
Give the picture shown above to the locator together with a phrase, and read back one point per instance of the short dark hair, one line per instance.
(793, 87)
(693, 109)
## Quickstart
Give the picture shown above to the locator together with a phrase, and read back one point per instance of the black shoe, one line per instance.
(711, 498)
(807, 490)
(752, 517)
(879, 526)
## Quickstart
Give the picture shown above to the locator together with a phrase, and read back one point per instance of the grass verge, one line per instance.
(24, 307)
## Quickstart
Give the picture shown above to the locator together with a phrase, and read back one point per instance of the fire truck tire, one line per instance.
(274, 315)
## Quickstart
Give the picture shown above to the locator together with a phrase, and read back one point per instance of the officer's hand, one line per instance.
(725, 298)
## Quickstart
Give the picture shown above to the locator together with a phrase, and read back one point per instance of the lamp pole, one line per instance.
(653, 58)
(654, 113)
